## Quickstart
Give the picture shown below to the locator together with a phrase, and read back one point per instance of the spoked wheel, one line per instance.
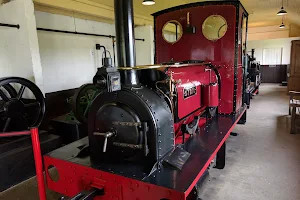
(11, 90)
(82, 101)
(22, 107)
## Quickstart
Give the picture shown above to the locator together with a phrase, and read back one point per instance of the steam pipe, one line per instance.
(124, 24)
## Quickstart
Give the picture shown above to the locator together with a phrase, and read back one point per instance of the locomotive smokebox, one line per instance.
(124, 23)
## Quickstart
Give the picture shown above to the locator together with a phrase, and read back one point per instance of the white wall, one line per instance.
(69, 61)
(19, 50)
(144, 50)
(284, 43)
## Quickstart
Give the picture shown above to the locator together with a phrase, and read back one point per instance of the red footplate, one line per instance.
(74, 178)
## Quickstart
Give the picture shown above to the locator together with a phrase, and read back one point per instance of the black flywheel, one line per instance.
(22, 104)
(82, 101)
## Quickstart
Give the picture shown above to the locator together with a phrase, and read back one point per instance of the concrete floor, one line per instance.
(263, 161)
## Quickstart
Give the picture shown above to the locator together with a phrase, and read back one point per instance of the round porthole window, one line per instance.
(214, 27)
(172, 31)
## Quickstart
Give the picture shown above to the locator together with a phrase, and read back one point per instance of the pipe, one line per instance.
(218, 77)
(13, 134)
(252, 53)
(124, 24)
(69, 32)
(113, 44)
(38, 160)
(11, 25)
(80, 33)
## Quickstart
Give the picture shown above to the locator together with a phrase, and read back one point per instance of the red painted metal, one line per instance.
(37, 157)
(211, 95)
(38, 162)
(13, 134)
(196, 47)
(190, 104)
(239, 93)
(186, 77)
(74, 178)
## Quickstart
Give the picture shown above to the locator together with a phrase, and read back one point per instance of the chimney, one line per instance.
(125, 40)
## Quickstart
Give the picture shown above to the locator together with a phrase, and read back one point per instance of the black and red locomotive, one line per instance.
(153, 131)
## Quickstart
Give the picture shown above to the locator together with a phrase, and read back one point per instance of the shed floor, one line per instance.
(263, 161)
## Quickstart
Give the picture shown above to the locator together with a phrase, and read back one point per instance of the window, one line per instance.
(272, 56)
(172, 31)
(214, 27)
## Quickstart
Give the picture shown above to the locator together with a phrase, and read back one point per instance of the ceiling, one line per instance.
(262, 12)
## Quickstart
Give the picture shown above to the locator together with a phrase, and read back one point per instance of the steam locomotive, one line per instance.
(154, 131)
(253, 80)
(254, 74)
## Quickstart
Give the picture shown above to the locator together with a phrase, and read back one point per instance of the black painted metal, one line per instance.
(201, 146)
(114, 50)
(155, 54)
(236, 58)
(218, 77)
(86, 195)
(136, 105)
(81, 33)
(221, 157)
(243, 119)
(10, 25)
(246, 98)
(124, 23)
(68, 128)
(11, 90)
(16, 110)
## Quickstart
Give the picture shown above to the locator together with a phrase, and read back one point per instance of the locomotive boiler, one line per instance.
(154, 131)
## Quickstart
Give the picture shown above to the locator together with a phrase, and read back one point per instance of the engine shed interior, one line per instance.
(156, 116)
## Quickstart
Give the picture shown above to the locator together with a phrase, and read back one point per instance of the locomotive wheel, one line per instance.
(16, 111)
(82, 101)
